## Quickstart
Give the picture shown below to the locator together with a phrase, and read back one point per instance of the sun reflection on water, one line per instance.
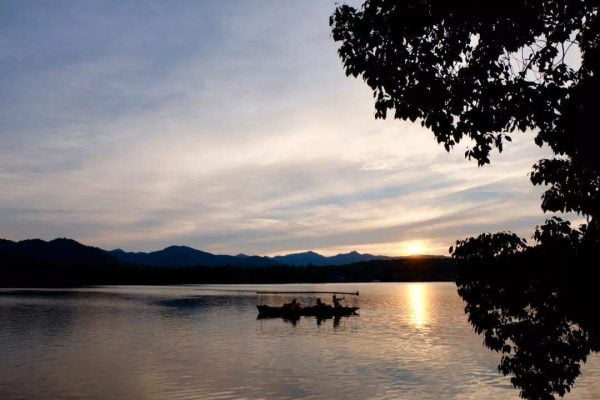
(418, 300)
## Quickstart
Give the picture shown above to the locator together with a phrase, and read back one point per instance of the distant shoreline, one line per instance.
(67, 263)
(415, 270)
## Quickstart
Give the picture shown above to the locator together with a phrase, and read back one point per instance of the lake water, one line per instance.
(410, 341)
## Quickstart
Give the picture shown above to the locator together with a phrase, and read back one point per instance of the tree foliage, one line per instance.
(488, 246)
(535, 305)
(542, 345)
(482, 70)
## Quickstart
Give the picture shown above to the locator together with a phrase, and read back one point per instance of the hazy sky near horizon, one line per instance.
(228, 126)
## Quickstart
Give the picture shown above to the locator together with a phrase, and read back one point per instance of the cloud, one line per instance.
(228, 127)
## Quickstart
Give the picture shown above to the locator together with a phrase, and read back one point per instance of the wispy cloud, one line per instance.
(229, 127)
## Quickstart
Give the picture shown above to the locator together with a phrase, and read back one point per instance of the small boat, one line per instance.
(325, 311)
(293, 310)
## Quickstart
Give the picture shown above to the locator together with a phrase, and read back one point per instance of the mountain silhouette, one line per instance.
(65, 262)
(312, 258)
(183, 256)
(59, 262)
(58, 252)
(67, 252)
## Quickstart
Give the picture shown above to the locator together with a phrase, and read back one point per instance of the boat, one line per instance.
(293, 311)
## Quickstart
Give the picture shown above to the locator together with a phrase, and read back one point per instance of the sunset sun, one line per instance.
(412, 248)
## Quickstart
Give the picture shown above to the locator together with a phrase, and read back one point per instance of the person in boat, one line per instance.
(336, 301)
(293, 306)
(320, 305)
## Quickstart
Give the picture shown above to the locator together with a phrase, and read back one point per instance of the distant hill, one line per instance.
(65, 262)
(57, 252)
(312, 258)
(59, 262)
(67, 252)
(183, 256)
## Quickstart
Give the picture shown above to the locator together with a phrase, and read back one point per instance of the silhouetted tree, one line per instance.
(481, 70)
(519, 298)
(524, 320)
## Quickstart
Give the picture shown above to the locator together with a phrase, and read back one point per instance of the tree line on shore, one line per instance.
(65, 262)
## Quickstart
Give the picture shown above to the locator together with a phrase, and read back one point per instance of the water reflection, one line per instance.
(143, 343)
(418, 303)
(293, 320)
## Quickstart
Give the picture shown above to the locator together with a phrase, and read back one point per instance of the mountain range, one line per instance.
(67, 263)
(312, 258)
(183, 256)
(68, 252)
(57, 252)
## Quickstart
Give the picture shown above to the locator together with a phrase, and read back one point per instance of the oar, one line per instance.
(304, 292)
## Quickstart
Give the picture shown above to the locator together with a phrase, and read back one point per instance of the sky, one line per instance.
(228, 126)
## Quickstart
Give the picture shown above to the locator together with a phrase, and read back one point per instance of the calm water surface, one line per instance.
(411, 341)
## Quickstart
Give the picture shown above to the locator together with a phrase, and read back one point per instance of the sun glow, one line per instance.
(414, 247)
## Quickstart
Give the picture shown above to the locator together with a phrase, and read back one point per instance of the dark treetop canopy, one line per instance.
(483, 69)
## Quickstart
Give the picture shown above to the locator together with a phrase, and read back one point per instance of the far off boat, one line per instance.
(295, 309)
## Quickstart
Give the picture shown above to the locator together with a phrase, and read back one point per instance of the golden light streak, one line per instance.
(418, 303)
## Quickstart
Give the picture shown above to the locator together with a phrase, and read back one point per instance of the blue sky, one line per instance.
(228, 126)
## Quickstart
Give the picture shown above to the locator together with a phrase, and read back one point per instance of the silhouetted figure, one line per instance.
(320, 304)
(336, 301)
(293, 306)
